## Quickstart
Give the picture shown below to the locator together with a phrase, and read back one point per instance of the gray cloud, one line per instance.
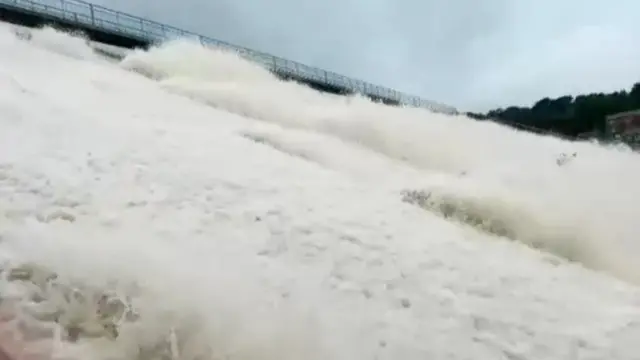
(471, 54)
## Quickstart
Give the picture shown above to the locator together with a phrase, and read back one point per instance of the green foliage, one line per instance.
(566, 115)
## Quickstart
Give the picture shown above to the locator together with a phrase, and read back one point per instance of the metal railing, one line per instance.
(104, 19)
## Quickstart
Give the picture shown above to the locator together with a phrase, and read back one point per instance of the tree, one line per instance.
(567, 115)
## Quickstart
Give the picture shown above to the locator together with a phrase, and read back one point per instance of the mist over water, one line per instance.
(186, 204)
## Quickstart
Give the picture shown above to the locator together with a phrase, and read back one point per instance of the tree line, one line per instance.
(567, 116)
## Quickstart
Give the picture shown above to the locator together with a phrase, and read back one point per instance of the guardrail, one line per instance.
(104, 19)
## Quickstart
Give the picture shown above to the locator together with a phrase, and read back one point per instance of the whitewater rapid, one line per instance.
(185, 204)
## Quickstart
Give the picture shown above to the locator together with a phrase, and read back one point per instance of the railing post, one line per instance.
(93, 18)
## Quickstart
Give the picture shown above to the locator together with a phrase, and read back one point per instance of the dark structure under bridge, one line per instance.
(115, 28)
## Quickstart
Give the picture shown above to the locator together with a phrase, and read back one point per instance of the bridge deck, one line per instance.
(119, 29)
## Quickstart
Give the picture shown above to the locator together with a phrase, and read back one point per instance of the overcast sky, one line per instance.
(471, 54)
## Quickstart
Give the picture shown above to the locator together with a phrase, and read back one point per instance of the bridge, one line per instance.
(116, 28)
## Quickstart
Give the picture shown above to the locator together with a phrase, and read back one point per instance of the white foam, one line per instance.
(503, 164)
(225, 246)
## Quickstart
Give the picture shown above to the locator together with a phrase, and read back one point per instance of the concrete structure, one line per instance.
(624, 126)
(123, 30)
